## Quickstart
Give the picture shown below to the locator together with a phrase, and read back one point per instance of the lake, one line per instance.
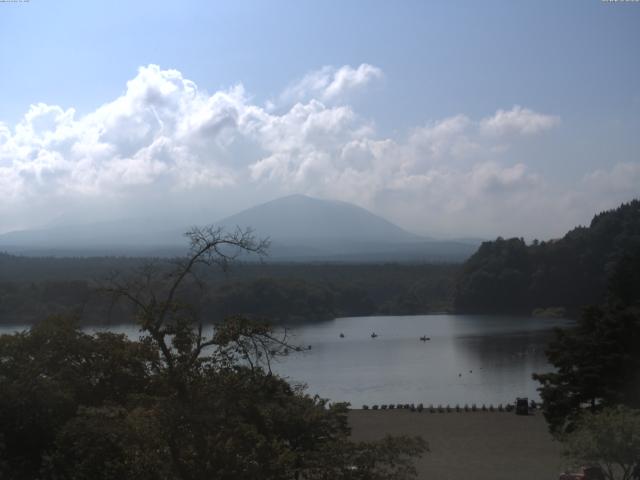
(468, 359)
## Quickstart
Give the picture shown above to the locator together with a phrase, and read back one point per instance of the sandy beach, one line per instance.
(474, 445)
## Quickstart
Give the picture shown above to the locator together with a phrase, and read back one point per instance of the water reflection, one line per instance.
(468, 359)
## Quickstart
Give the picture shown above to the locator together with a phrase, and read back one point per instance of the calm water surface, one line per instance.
(468, 359)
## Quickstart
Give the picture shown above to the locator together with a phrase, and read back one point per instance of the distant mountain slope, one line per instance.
(301, 217)
(510, 276)
(130, 236)
(301, 229)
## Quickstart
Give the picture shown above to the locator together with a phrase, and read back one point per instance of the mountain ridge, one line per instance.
(301, 228)
(310, 217)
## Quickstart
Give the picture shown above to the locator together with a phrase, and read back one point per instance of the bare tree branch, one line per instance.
(153, 292)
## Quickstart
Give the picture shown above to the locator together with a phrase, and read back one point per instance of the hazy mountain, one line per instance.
(305, 228)
(123, 237)
(302, 217)
(301, 228)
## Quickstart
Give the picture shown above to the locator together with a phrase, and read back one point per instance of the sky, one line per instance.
(451, 119)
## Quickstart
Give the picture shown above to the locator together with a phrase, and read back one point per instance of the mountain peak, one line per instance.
(301, 228)
(299, 216)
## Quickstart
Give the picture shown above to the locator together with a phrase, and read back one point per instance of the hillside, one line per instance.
(574, 271)
(299, 217)
(33, 288)
(133, 237)
(301, 229)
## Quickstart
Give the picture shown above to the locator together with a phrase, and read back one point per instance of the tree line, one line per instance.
(511, 276)
(186, 401)
(591, 399)
(32, 288)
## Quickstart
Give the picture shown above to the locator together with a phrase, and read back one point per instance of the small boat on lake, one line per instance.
(342, 335)
(424, 338)
(374, 335)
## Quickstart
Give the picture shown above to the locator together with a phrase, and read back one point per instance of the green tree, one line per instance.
(598, 361)
(227, 415)
(609, 439)
(571, 272)
(180, 403)
(597, 365)
(49, 372)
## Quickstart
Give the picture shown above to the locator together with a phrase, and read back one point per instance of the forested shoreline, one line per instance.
(33, 288)
(505, 276)
(159, 399)
(568, 274)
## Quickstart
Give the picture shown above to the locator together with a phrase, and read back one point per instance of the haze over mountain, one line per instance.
(137, 236)
(303, 217)
(300, 227)
(306, 228)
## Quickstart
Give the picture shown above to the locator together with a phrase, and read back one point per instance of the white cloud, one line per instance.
(167, 145)
(518, 120)
(623, 178)
(330, 83)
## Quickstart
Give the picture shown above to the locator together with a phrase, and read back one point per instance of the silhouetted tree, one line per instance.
(598, 361)
(571, 272)
(608, 439)
(179, 403)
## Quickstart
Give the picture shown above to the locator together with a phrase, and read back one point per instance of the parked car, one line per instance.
(522, 406)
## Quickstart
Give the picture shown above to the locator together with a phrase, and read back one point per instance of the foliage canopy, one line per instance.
(508, 275)
(609, 439)
(178, 403)
(598, 361)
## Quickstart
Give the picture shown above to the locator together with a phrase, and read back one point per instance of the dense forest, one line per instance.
(185, 401)
(597, 362)
(503, 276)
(507, 275)
(32, 288)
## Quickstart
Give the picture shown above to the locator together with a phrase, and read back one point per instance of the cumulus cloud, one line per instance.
(517, 120)
(623, 178)
(167, 145)
(330, 83)
(159, 127)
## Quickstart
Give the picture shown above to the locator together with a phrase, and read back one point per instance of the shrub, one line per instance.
(608, 439)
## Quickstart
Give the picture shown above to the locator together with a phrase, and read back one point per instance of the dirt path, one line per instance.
(477, 446)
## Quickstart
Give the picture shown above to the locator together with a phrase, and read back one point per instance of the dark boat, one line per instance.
(342, 335)
(374, 335)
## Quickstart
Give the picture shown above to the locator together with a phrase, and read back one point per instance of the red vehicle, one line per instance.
(585, 473)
